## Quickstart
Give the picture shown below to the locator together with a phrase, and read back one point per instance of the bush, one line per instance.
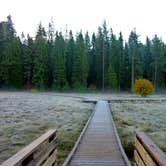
(143, 87)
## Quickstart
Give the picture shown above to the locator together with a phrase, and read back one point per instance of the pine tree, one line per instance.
(60, 81)
(126, 69)
(105, 52)
(80, 65)
(89, 56)
(148, 61)
(50, 54)
(114, 57)
(98, 65)
(28, 61)
(10, 56)
(40, 59)
(157, 53)
(111, 78)
(121, 61)
(92, 76)
(70, 54)
(136, 71)
(16, 71)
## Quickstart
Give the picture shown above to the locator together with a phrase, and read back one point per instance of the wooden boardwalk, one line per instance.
(99, 143)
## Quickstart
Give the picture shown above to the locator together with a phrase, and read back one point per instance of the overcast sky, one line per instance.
(147, 16)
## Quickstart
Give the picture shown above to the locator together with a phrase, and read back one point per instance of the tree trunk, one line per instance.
(132, 72)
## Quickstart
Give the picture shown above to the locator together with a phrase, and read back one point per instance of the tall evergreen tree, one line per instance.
(40, 59)
(10, 55)
(126, 85)
(92, 76)
(50, 54)
(157, 53)
(70, 55)
(105, 53)
(148, 61)
(135, 57)
(114, 57)
(28, 61)
(60, 62)
(98, 65)
(80, 65)
(121, 61)
(89, 56)
(111, 78)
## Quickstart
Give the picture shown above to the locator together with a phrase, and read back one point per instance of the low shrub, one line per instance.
(143, 87)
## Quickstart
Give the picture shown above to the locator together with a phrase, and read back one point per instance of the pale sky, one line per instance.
(147, 16)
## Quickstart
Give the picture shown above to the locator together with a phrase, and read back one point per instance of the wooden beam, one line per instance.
(26, 152)
(138, 159)
(144, 154)
(156, 153)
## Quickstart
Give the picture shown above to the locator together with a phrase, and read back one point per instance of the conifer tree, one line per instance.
(50, 54)
(148, 61)
(80, 65)
(60, 81)
(89, 56)
(121, 61)
(111, 78)
(70, 55)
(40, 59)
(135, 56)
(28, 61)
(92, 76)
(10, 56)
(98, 58)
(126, 84)
(157, 53)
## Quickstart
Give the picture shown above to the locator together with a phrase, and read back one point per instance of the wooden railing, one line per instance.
(147, 153)
(42, 151)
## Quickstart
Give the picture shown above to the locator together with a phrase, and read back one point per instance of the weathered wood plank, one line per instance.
(46, 152)
(51, 160)
(156, 153)
(69, 157)
(144, 154)
(27, 152)
(98, 144)
(138, 159)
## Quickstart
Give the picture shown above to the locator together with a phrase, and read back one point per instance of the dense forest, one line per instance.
(54, 60)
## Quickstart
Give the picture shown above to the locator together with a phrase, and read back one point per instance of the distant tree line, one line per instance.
(53, 60)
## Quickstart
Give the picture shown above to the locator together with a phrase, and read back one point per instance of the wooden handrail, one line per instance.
(147, 152)
(40, 152)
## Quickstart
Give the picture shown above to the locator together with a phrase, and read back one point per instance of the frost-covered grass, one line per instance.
(147, 116)
(25, 116)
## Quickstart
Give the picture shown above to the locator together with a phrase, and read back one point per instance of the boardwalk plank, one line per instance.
(99, 145)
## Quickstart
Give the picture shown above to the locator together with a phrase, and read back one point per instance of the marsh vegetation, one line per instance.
(25, 116)
(146, 116)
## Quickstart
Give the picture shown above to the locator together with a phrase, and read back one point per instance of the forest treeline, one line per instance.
(54, 60)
